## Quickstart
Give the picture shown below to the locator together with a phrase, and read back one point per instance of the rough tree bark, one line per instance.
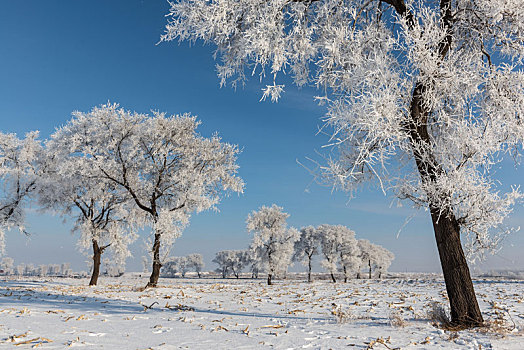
(309, 270)
(269, 276)
(369, 264)
(97, 255)
(155, 274)
(333, 277)
(465, 311)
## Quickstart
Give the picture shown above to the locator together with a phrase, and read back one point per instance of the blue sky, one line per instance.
(61, 56)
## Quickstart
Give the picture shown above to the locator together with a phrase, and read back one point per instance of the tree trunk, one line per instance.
(380, 274)
(358, 275)
(465, 310)
(333, 277)
(369, 263)
(198, 272)
(269, 279)
(309, 270)
(155, 274)
(345, 274)
(97, 254)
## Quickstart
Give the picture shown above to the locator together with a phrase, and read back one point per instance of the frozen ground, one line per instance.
(246, 314)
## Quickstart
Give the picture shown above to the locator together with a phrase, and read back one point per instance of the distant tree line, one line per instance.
(180, 265)
(275, 247)
(8, 268)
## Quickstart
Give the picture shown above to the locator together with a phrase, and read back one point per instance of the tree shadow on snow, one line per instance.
(56, 299)
(259, 315)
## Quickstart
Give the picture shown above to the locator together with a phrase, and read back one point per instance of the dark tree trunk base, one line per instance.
(155, 274)
(309, 270)
(465, 311)
(97, 254)
(269, 282)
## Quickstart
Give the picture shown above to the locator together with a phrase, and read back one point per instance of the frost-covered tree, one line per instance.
(255, 265)
(65, 270)
(161, 162)
(273, 241)
(366, 251)
(7, 265)
(334, 241)
(240, 262)
(231, 261)
(306, 247)
(373, 256)
(42, 270)
(174, 265)
(196, 263)
(54, 270)
(20, 269)
(21, 161)
(424, 97)
(72, 187)
(223, 259)
(383, 260)
(349, 256)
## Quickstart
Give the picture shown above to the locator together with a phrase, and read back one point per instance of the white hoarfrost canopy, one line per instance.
(159, 162)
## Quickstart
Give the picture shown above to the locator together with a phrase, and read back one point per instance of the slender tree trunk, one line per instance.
(369, 263)
(345, 274)
(97, 254)
(269, 279)
(358, 275)
(309, 270)
(198, 272)
(155, 274)
(380, 274)
(333, 277)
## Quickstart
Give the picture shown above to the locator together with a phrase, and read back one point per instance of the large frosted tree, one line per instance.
(423, 97)
(160, 162)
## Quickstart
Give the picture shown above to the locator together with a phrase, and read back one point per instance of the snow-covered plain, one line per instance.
(246, 314)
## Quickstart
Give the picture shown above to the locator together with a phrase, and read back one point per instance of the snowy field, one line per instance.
(247, 314)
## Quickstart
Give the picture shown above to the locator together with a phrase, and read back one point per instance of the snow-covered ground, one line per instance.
(247, 314)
